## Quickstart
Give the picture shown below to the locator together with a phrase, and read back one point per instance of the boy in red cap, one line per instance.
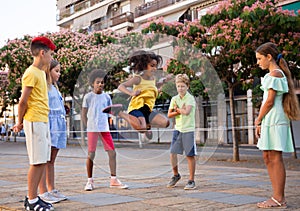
(33, 115)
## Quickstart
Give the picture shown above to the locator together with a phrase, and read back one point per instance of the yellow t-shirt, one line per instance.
(147, 96)
(37, 104)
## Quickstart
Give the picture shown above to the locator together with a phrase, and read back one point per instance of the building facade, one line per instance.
(128, 15)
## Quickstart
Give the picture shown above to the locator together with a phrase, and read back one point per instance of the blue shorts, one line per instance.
(183, 141)
(144, 112)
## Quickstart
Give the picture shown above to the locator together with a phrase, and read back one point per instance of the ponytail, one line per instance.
(290, 101)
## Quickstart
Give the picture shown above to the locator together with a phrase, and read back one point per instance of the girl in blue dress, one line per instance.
(279, 106)
(57, 124)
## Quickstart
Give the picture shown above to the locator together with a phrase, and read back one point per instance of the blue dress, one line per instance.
(275, 127)
(57, 121)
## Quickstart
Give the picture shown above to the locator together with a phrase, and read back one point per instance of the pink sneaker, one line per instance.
(115, 183)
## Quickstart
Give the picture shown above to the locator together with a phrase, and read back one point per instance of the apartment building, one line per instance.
(124, 15)
(128, 15)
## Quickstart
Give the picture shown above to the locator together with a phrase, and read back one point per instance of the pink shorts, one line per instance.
(105, 138)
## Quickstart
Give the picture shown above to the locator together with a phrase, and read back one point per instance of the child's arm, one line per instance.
(84, 116)
(22, 108)
(185, 110)
(172, 112)
(133, 81)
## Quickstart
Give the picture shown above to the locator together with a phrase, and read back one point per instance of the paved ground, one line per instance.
(221, 184)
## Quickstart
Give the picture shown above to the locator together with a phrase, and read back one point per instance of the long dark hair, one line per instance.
(290, 100)
(53, 64)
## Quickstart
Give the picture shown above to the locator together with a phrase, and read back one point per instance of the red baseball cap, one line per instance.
(46, 41)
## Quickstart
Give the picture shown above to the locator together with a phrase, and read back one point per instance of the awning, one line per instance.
(98, 13)
(174, 16)
(81, 22)
(85, 20)
(64, 3)
(293, 6)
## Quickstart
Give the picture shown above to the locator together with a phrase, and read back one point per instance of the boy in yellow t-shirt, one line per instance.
(33, 115)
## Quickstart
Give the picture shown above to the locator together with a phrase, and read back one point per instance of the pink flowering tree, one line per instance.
(17, 57)
(187, 58)
(237, 29)
(232, 32)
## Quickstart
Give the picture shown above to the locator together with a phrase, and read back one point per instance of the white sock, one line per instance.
(90, 180)
(32, 201)
(43, 194)
(113, 177)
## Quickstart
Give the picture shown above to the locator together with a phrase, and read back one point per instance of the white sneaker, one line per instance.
(89, 186)
(58, 195)
(115, 183)
(47, 197)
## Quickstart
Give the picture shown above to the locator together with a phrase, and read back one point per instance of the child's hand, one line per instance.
(17, 127)
(258, 131)
(136, 93)
(178, 110)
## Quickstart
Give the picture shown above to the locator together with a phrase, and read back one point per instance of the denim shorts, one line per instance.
(144, 112)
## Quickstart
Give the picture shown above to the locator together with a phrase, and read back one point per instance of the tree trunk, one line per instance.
(236, 156)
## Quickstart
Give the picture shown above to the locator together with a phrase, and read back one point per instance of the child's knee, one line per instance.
(112, 153)
(91, 156)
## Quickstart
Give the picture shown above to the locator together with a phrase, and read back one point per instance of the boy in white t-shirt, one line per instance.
(97, 125)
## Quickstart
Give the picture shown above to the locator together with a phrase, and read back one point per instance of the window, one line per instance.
(126, 8)
(72, 9)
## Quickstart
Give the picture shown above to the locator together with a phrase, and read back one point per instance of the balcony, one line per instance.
(149, 7)
(76, 8)
(122, 18)
(100, 25)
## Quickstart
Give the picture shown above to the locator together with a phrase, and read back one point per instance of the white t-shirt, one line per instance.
(97, 121)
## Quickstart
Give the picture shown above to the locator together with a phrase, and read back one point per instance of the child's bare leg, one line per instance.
(174, 163)
(138, 123)
(192, 166)
(160, 121)
(112, 162)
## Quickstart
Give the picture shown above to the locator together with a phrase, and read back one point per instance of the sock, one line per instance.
(42, 194)
(113, 177)
(90, 180)
(32, 201)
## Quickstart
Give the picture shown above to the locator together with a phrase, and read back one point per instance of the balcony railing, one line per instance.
(76, 7)
(124, 17)
(119, 19)
(152, 6)
(101, 25)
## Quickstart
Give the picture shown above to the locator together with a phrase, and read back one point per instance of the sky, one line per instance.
(26, 17)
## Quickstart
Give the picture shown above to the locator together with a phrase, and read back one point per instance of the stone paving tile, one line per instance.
(249, 183)
(11, 166)
(133, 185)
(218, 187)
(101, 199)
(6, 183)
(226, 198)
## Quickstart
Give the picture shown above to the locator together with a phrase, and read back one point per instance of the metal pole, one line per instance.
(294, 154)
(158, 136)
